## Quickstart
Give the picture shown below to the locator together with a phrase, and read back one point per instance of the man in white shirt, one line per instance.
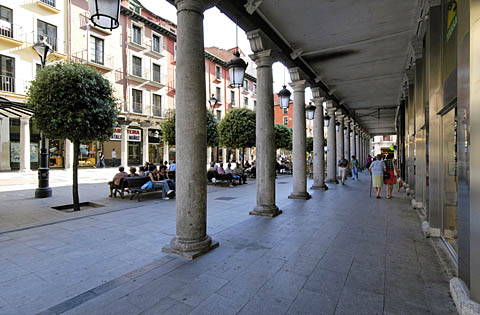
(114, 157)
(172, 167)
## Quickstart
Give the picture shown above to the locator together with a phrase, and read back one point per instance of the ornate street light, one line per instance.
(236, 67)
(236, 70)
(337, 125)
(284, 96)
(43, 49)
(105, 13)
(327, 120)
(212, 101)
(310, 109)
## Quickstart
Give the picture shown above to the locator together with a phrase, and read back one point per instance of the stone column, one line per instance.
(331, 146)
(318, 144)
(68, 158)
(24, 144)
(224, 155)
(209, 155)
(340, 137)
(265, 170)
(124, 147)
(352, 139)
(165, 153)
(145, 144)
(299, 137)
(357, 147)
(346, 138)
(191, 239)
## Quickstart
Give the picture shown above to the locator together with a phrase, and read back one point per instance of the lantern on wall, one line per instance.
(310, 110)
(105, 13)
(327, 120)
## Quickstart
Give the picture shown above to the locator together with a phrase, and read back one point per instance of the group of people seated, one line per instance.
(158, 178)
(217, 172)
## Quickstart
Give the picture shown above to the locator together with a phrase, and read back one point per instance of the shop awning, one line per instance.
(11, 109)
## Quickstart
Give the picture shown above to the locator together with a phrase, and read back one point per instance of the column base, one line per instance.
(190, 250)
(43, 192)
(302, 196)
(332, 181)
(319, 187)
(266, 211)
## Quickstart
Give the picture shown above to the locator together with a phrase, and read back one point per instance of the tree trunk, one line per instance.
(76, 152)
(243, 157)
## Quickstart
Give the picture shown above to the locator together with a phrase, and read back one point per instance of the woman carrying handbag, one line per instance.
(389, 176)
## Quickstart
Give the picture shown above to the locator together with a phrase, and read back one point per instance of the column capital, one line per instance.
(318, 92)
(262, 58)
(296, 74)
(318, 100)
(347, 121)
(331, 111)
(299, 85)
(198, 6)
(25, 119)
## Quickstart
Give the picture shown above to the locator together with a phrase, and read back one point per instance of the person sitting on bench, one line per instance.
(211, 172)
(240, 172)
(133, 172)
(162, 175)
(157, 183)
(223, 175)
(115, 183)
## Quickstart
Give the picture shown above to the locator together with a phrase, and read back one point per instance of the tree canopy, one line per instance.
(283, 137)
(309, 144)
(168, 130)
(73, 101)
(237, 129)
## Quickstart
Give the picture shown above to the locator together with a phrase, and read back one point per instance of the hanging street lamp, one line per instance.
(327, 120)
(105, 13)
(43, 49)
(337, 126)
(310, 110)
(284, 96)
(236, 70)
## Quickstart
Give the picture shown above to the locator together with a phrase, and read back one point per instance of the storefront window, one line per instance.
(450, 220)
(155, 153)
(134, 153)
(88, 154)
(56, 153)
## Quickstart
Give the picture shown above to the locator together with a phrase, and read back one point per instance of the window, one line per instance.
(96, 50)
(6, 26)
(49, 31)
(254, 88)
(157, 105)
(386, 138)
(285, 110)
(245, 101)
(7, 74)
(137, 34)
(232, 98)
(174, 51)
(254, 105)
(157, 77)
(137, 101)
(219, 115)
(285, 121)
(218, 94)
(137, 66)
(218, 73)
(245, 84)
(156, 43)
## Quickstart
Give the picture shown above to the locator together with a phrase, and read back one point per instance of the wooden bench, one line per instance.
(133, 185)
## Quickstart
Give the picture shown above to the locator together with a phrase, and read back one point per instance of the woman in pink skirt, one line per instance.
(391, 168)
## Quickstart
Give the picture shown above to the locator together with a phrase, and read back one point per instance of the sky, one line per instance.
(222, 37)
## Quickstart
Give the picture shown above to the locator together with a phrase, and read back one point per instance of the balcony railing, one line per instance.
(13, 31)
(154, 49)
(13, 85)
(51, 40)
(49, 2)
(83, 57)
(137, 107)
(157, 111)
(139, 73)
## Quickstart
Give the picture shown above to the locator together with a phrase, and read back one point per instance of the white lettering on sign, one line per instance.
(133, 134)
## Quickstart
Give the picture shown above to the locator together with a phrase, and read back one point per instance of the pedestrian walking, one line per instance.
(114, 157)
(354, 167)
(390, 180)
(377, 169)
(101, 160)
(343, 164)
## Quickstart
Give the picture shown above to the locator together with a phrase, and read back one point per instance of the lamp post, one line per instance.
(212, 101)
(43, 49)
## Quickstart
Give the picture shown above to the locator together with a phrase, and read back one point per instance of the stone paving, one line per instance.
(339, 253)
